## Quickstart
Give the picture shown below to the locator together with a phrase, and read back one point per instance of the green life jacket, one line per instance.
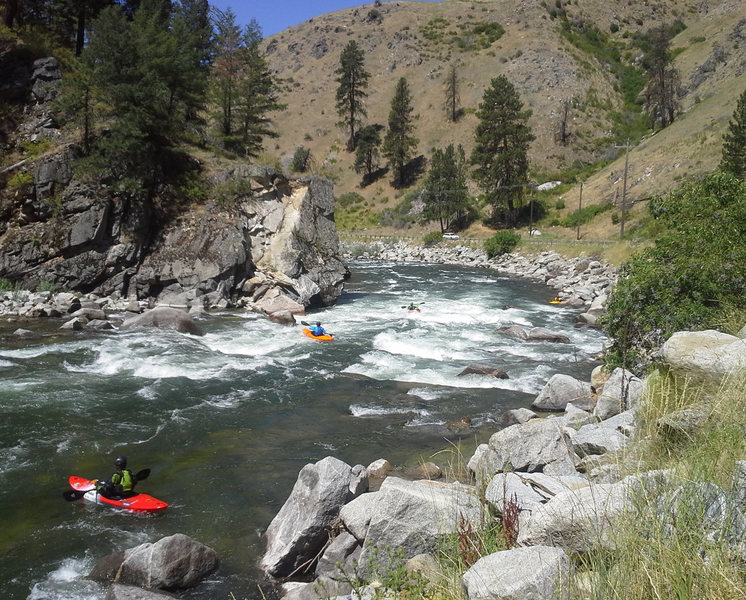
(123, 478)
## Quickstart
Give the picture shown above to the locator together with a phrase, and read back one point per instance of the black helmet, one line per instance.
(318, 323)
(120, 462)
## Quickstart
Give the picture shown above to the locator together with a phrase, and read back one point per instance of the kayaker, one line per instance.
(557, 299)
(412, 306)
(318, 330)
(121, 481)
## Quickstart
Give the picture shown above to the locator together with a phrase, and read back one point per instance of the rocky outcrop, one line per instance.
(274, 249)
(163, 318)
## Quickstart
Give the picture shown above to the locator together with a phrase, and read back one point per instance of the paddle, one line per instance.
(71, 495)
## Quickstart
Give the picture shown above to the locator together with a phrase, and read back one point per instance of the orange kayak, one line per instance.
(322, 338)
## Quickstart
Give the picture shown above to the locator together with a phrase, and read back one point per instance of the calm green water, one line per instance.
(226, 421)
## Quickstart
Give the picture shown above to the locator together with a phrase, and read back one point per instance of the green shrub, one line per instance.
(615, 218)
(349, 199)
(560, 204)
(501, 243)
(693, 276)
(6, 286)
(584, 215)
(301, 160)
(20, 179)
(432, 238)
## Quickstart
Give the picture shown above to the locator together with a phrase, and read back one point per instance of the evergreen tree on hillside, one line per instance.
(366, 155)
(399, 143)
(146, 77)
(351, 94)
(734, 141)
(661, 91)
(243, 86)
(229, 68)
(451, 92)
(500, 153)
(445, 194)
(258, 96)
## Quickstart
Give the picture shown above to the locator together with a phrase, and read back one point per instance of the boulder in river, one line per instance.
(164, 318)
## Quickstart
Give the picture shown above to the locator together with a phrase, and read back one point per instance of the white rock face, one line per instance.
(535, 573)
(709, 354)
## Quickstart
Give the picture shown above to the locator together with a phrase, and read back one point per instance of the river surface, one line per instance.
(226, 421)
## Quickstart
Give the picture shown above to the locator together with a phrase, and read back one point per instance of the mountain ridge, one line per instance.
(419, 40)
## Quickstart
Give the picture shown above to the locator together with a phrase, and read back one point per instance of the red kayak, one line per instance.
(133, 501)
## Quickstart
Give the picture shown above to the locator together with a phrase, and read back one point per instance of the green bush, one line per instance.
(584, 215)
(349, 199)
(301, 160)
(693, 276)
(6, 286)
(560, 204)
(20, 179)
(432, 238)
(501, 243)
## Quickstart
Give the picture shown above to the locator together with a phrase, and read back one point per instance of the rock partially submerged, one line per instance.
(164, 318)
(176, 562)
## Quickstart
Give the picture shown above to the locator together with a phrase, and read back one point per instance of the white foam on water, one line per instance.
(426, 393)
(13, 458)
(68, 582)
(6, 363)
(404, 345)
(357, 410)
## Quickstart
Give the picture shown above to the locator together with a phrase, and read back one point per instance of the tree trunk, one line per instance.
(11, 10)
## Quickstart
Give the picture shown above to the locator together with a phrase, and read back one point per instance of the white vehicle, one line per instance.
(449, 236)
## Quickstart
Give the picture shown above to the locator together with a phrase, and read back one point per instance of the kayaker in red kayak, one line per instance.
(121, 483)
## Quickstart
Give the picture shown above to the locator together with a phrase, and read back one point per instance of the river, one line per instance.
(226, 421)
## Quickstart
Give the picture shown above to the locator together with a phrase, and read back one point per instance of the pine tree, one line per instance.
(257, 96)
(446, 194)
(734, 141)
(228, 69)
(663, 79)
(399, 143)
(452, 96)
(500, 153)
(352, 80)
(366, 155)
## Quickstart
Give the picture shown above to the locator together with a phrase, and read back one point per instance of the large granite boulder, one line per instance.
(299, 531)
(576, 520)
(537, 445)
(622, 391)
(561, 390)
(539, 572)
(704, 355)
(176, 562)
(413, 517)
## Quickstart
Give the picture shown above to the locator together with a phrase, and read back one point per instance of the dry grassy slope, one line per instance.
(544, 68)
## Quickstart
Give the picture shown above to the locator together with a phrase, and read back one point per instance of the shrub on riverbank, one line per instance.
(501, 243)
(693, 276)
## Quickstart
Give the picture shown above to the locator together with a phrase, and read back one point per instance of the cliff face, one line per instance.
(80, 238)
(274, 247)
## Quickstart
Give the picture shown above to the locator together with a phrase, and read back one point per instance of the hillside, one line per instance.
(419, 40)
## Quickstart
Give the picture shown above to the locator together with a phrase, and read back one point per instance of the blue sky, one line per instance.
(277, 15)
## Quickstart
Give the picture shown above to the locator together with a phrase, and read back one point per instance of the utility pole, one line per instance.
(624, 187)
(580, 206)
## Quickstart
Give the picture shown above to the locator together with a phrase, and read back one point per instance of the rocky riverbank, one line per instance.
(579, 281)
(559, 486)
